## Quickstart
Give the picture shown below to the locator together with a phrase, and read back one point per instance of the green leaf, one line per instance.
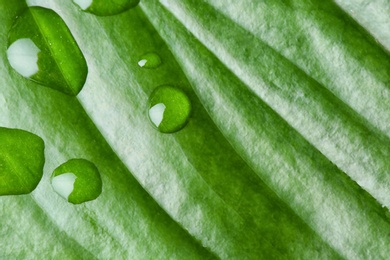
(298, 100)
(284, 155)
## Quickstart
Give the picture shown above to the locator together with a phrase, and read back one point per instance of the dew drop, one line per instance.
(42, 49)
(77, 181)
(150, 61)
(106, 7)
(169, 109)
(21, 161)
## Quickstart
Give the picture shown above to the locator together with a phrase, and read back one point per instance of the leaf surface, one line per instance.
(277, 161)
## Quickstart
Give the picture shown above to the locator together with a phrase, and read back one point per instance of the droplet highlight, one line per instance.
(21, 161)
(23, 57)
(77, 181)
(169, 109)
(64, 184)
(42, 49)
(156, 114)
(150, 61)
(106, 7)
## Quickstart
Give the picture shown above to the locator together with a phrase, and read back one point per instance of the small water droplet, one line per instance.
(169, 109)
(106, 7)
(77, 181)
(150, 61)
(42, 49)
(21, 161)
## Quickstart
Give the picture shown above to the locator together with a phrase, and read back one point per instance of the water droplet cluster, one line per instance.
(169, 107)
(52, 58)
(21, 169)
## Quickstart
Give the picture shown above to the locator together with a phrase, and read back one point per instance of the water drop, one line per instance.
(42, 49)
(169, 109)
(21, 161)
(77, 181)
(106, 7)
(150, 61)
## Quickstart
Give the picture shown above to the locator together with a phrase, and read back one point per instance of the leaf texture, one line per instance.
(284, 157)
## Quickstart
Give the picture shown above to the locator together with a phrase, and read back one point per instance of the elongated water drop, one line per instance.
(149, 60)
(169, 109)
(41, 48)
(106, 7)
(21, 161)
(77, 181)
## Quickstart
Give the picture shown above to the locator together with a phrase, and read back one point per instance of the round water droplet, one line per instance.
(21, 161)
(150, 61)
(169, 109)
(41, 48)
(77, 181)
(106, 7)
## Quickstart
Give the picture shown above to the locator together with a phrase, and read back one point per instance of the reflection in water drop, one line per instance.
(106, 7)
(142, 63)
(169, 109)
(63, 184)
(150, 61)
(23, 57)
(77, 181)
(156, 113)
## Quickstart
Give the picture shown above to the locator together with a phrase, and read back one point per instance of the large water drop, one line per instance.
(21, 161)
(77, 181)
(42, 49)
(169, 109)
